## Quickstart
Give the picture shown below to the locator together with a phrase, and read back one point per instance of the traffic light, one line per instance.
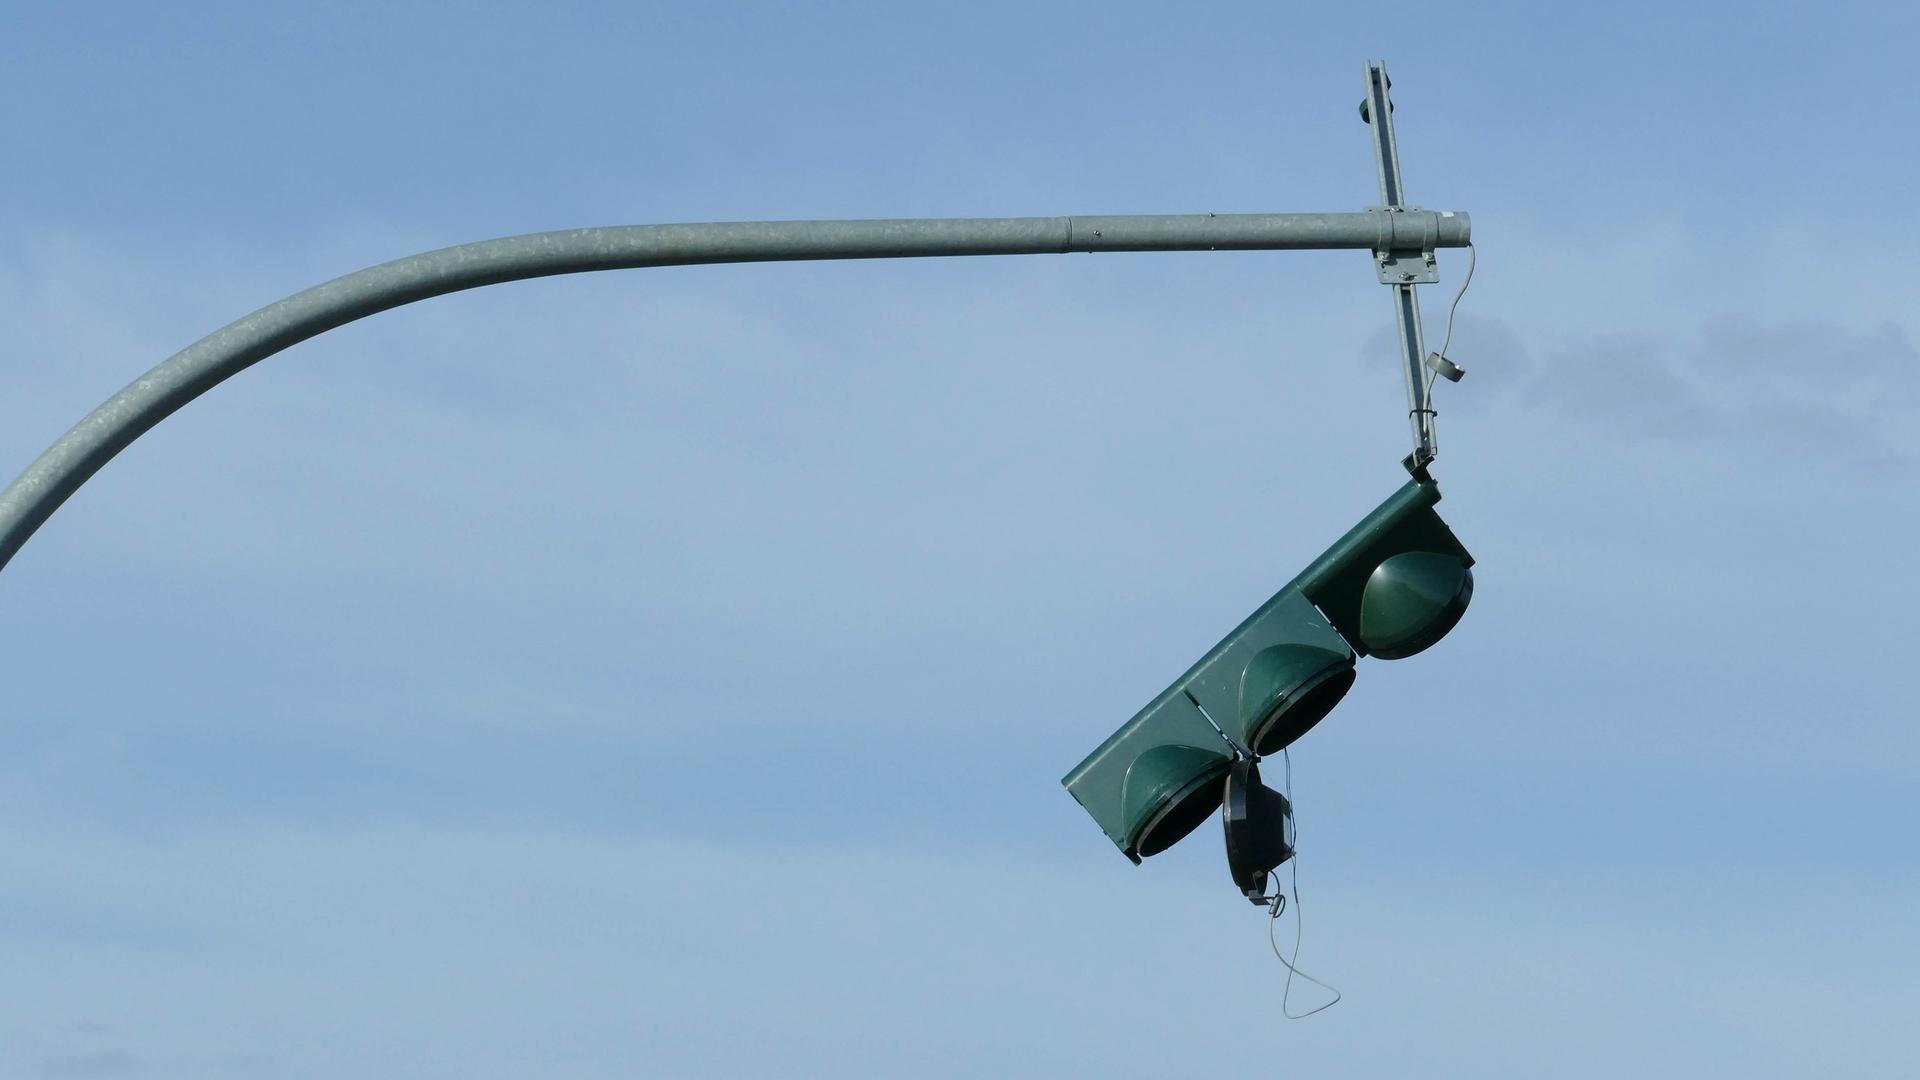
(1395, 584)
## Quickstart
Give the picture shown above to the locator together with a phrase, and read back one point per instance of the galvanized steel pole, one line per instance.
(90, 444)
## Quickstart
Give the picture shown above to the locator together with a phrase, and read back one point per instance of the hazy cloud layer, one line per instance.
(1765, 389)
(452, 950)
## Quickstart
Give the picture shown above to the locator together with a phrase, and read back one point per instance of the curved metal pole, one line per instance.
(90, 444)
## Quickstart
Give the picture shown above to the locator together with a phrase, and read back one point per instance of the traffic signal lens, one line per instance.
(1168, 792)
(1287, 689)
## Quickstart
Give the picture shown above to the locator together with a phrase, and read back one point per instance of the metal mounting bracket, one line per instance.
(1407, 266)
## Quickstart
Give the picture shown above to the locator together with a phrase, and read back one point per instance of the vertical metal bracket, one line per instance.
(1401, 269)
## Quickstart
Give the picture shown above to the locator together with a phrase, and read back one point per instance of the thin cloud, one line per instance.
(1810, 387)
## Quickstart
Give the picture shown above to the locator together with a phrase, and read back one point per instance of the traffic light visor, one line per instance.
(1398, 581)
(1412, 600)
(1154, 780)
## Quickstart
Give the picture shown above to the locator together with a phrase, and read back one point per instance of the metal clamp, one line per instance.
(1398, 264)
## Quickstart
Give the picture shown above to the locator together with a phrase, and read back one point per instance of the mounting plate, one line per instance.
(1406, 267)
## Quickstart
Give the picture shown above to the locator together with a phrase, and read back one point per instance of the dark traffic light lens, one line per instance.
(1183, 815)
(1168, 792)
(1303, 707)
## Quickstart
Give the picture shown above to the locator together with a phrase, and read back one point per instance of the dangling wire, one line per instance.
(1473, 258)
(1279, 905)
(1286, 993)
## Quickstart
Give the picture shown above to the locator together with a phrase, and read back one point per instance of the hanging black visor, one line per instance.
(1259, 825)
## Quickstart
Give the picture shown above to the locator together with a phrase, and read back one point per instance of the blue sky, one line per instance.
(670, 672)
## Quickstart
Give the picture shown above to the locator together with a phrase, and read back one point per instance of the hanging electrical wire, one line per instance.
(1279, 904)
(1434, 365)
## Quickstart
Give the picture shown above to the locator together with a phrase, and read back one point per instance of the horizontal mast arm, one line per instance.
(90, 444)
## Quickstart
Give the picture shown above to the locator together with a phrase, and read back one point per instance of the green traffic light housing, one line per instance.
(1391, 587)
